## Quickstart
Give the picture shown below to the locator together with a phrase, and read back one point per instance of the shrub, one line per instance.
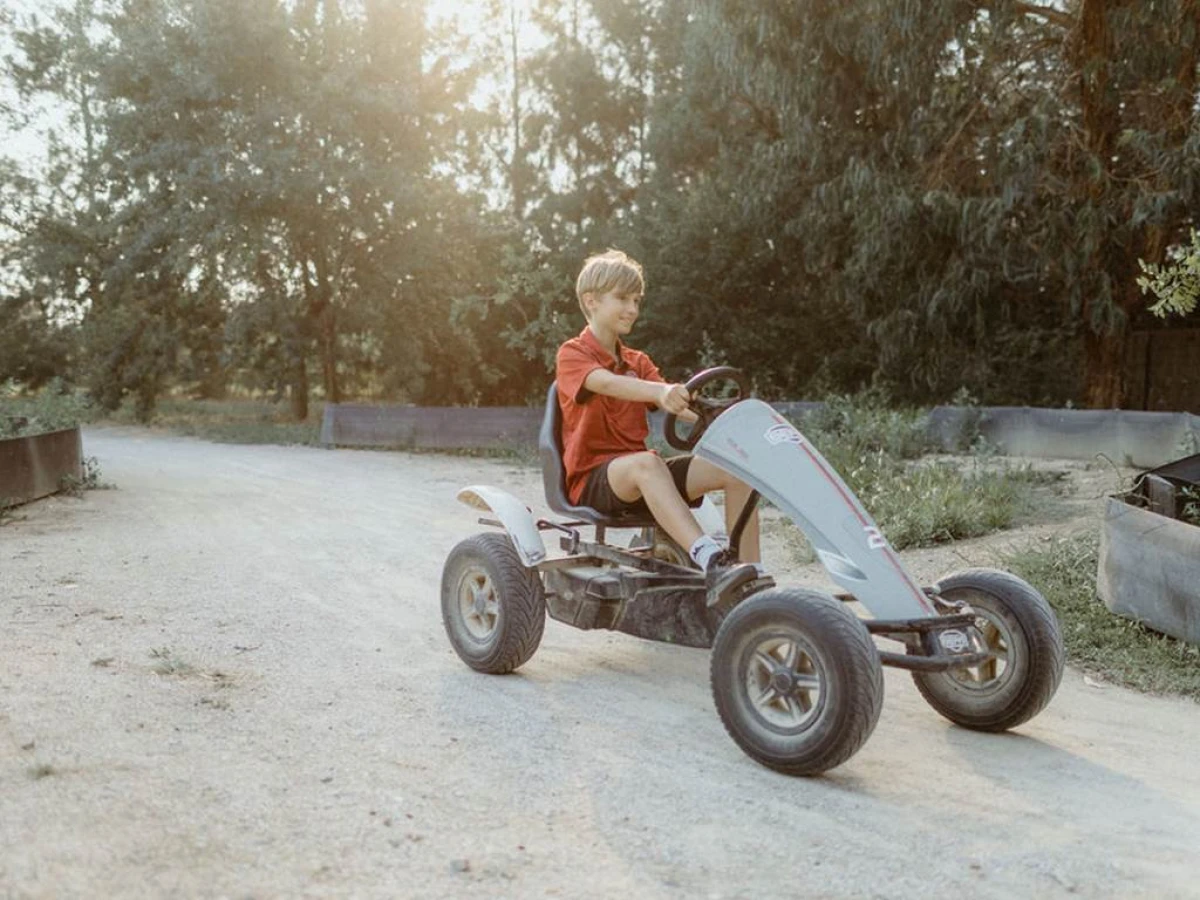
(54, 407)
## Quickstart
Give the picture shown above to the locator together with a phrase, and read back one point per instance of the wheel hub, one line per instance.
(478, 605)
(783, 682)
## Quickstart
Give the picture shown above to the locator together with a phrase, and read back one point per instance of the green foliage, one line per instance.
(168, 663)
(1176, 285)
(1115, 648)
(310, 197)
(52, 408)
(1190, 510)
(862, 424)
(883, 455)
(232, 421)
(89, 480)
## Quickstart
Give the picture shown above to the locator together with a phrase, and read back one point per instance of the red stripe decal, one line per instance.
(920, 595)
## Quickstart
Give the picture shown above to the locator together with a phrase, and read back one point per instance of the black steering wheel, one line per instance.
(707, 410)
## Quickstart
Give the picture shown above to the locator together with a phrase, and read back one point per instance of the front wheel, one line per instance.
(796, 680)
(1021, 631)
(493, 607)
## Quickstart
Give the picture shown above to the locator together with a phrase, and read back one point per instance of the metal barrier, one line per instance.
(1147, 569)
(1127, 437)
(34, 466)
(429, 427)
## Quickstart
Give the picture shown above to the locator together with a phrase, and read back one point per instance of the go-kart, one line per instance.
(795, 675)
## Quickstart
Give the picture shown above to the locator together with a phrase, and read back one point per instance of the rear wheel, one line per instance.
(1021, 631)
(493, 606)
(796, 680)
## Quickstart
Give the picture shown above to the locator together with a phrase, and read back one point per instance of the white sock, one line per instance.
(703, 550)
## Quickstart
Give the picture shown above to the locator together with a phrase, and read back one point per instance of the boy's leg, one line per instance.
(645, 476)
(703, 477)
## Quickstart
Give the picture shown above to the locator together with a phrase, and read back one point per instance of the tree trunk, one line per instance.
(1104, 369)
(321, 318)
(333, 390)
(1104, 349)
(299, 390)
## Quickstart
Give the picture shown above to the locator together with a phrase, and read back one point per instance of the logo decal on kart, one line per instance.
(954, 641)
(875, 538)
(783, 434)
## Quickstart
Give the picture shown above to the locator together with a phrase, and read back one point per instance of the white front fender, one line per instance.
(514, 515)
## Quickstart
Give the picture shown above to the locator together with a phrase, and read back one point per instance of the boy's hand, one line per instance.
(674, 399)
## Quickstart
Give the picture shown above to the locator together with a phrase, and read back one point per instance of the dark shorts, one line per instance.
(598, 493)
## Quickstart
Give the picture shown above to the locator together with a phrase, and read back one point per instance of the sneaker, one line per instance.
(725, 574)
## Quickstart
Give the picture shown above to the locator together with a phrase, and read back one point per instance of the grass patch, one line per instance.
(883, 456)
(863, 424)
(231, 421)
(88, 481)
(1097, 641)
(169, 664)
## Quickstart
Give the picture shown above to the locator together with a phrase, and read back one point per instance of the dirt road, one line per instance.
(228, 677)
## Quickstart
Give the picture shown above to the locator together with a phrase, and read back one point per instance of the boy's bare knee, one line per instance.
(649, 465)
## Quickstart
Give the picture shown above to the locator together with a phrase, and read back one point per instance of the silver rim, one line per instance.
(783, 683)
(478, 604)
(998, 640)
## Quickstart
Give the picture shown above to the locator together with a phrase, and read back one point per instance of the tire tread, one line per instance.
(523, 603)
(850, 649)
(1044, 643)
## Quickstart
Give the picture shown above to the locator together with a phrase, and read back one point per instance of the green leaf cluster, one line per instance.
(1176, 284)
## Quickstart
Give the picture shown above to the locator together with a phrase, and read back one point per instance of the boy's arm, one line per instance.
(670, 397)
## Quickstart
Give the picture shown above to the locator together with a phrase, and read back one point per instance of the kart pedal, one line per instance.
(736, 590)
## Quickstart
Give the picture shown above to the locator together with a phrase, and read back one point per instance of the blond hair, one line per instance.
(609, 271)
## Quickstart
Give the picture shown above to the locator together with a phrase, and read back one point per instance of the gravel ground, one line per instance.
(228, 678)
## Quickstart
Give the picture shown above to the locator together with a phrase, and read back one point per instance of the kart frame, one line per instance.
(600, 585)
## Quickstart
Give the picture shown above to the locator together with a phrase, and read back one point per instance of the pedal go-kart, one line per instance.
(795, 675)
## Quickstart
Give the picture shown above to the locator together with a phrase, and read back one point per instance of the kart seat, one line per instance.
(554, 476)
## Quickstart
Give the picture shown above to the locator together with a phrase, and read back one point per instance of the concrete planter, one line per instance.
(1150, 569)
(34, 465)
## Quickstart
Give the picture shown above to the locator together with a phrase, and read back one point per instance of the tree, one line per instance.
(938, 175)
(52, 218)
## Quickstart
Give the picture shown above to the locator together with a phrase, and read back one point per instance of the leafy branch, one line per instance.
(1175, 284)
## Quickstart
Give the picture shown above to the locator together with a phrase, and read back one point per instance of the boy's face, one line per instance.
(614, 311)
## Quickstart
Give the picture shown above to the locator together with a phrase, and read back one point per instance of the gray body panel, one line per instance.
(755, 443)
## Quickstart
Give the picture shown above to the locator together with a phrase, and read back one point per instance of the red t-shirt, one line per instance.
(596, 427)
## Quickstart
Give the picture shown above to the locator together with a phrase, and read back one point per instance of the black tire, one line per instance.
(828, 648)
(500, 628)
(1016, 621)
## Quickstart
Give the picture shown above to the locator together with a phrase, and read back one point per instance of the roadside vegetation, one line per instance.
(52, 408)
(232, 421)
(1108, 646)
(918, 495)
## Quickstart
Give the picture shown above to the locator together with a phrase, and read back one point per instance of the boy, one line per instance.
(604, 390)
